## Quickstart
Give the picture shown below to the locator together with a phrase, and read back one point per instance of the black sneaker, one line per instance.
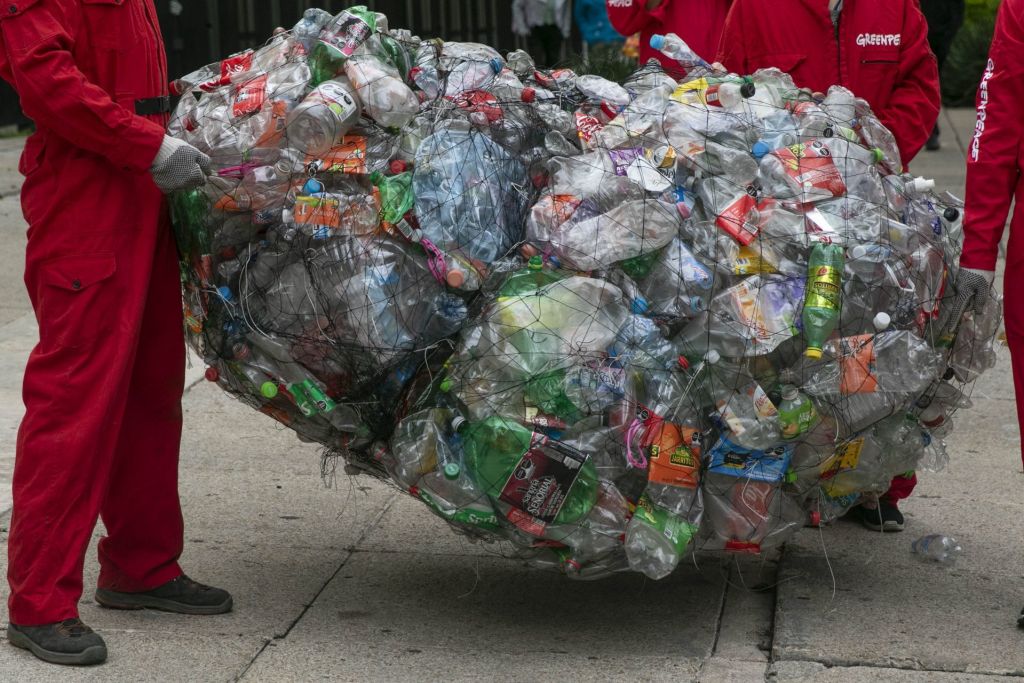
(885, 517)
(64, 642)
(181, 595)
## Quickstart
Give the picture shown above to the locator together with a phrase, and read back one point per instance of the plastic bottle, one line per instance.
(339, 40)
(385, 97)
(307, 30)
(656, 540)
(824, 296)
(796, 413)
(323, 117)
(497, 448)
(674, 47)
(937, 548)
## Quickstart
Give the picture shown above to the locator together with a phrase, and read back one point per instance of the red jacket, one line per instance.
(879, 50)
(698, 22)
(996, 153)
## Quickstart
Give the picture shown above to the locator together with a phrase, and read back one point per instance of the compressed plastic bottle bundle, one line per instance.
(609, 324)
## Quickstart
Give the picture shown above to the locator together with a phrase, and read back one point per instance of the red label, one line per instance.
(250, 96)
(587, 126)
(229, 68)
(811, 165)
(735, 219)
(540, 484)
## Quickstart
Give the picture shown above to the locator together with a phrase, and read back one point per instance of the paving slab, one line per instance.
(813, 672)
(345, 661)
(848, 596)
(137, 656)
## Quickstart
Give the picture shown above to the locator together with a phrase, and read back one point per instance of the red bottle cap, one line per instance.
(455, 278)
(212, 374)
(529, 94)
(397, 166)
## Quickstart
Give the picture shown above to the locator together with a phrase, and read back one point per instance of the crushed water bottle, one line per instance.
(937, 548)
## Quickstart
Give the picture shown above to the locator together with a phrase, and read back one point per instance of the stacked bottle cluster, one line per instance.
(607, 323)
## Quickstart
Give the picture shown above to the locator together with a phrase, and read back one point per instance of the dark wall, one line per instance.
(197, 32)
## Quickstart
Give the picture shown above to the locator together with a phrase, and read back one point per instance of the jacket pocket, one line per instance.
(75, 305)
(111, 24)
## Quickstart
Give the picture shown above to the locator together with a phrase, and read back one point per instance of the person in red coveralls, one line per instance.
(878, 49)
(103, 387)
(995, 160)
(698, 22)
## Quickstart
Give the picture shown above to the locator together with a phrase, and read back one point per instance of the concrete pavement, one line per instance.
(356, 582)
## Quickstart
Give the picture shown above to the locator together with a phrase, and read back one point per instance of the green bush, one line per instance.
(968, 54)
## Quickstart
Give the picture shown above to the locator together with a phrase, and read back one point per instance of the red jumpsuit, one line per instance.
(103, 387)
(698, 22)
(878, 49)
(994, 162)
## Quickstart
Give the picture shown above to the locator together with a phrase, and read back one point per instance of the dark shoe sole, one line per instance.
(115, 600)
(889, 527)
(92, 655)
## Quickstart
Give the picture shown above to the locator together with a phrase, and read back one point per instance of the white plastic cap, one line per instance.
(712, 357)
(921, 185)
(789, 392)
(881, 321)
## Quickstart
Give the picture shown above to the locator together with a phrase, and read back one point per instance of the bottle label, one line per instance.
(857, 365)
(349, 156)
(798, 420)
(823, 287)
(250, 96)
(674, 455)
(735, 219)
(318, 211)
(346, 36)
(479, 518)
(540, 484)
(733, 460)
(845, 458)
(676, 530)
(810, 168)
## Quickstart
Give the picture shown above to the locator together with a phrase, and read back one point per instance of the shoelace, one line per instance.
(75, 627)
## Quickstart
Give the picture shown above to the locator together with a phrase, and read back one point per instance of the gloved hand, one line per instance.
(179, 166)
(971, 289)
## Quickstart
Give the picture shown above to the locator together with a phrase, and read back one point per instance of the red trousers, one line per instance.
(899, 488)
(102, 389)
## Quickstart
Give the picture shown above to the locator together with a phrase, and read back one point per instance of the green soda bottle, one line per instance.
(823, 297)
(396, 196)
(339, 39)
(796, 413)
(547, 392)
(639, 267)
(494, 452)
(530, 279)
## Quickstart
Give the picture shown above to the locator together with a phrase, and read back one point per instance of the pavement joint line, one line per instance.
(950, 125)
(719, 620)
(895, 666)
(370, 526)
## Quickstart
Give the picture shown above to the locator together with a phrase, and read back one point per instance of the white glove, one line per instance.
(971, 289)
(179, 166)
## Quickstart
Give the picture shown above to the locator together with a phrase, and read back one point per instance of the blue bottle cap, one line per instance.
(225, 293)
(497, 65)
(312, 186)
(639, 305)
(657, 41)
(555, 263)
(759, 149)
(680, 194)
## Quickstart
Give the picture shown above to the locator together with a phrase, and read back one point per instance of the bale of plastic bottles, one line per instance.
(606, 324)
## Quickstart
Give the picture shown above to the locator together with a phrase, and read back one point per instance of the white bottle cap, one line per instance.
(881, 321)
(712, 357)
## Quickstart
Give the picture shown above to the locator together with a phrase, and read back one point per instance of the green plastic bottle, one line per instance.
(796, 413)
(339, 39)
(639, 267)
(547, 392)
(823, 297)
(396, 196)
(530, 279)
(494, 449)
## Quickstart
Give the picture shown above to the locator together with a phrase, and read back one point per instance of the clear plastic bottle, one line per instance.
(323, 117)
(937, 548)
(674, 47)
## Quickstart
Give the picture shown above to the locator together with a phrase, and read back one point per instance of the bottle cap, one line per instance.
(881, 321)
(951, 214)
(268, 389)
(397, 166)
(312, 186)
(455, 278)
(748, 89)
(212, 374)
(497, 65)
(529, 94)
(790, 477)
(789, 392)
(528, 250)
(657, 41)
(877, 155)
(446, 386)
(813, 353)
(683, 363)
(639, 305)
(536, 263)
(759, 149)
(712, 357)
(225, 293)
(858, 251)
(452, 470)
(458, 422)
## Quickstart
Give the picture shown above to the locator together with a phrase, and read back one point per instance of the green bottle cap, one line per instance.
(446, 385)
(878, 155)
(536, 263)
(268, 389)
(452, 470)
(790, 477)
